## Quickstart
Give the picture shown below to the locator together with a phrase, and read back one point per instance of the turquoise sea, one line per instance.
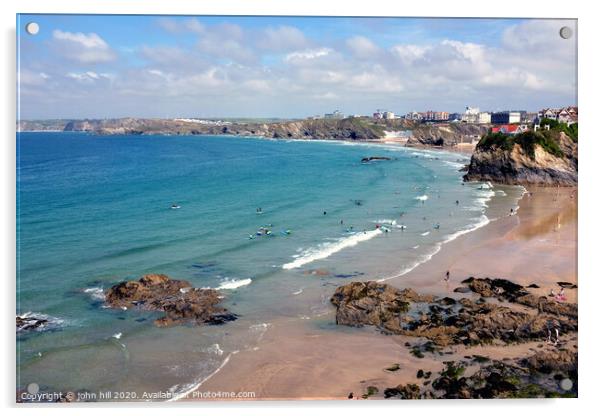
(95, 210)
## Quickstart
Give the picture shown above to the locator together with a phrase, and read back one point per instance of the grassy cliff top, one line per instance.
(549, 140)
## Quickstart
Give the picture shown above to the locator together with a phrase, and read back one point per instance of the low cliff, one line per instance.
(351, 128)
(547, 158)
(446, 134)
(344, 129)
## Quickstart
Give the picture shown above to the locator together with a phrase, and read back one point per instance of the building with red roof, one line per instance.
(506, 129)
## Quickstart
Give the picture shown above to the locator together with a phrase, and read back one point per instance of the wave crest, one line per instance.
(328, 249)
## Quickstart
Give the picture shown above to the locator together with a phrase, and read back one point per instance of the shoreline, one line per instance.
(311, 359)
(462, 148)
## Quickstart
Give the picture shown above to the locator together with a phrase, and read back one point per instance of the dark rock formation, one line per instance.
(373, 158)
(512, 292)
(523, 378)
(547, 362)
(445, 321)
(372, 303)
(177, 298)
(30, 322)
(407, 392)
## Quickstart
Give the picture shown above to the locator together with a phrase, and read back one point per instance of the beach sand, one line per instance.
(315, 359)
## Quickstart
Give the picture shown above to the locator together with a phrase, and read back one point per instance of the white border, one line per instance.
(590, 290)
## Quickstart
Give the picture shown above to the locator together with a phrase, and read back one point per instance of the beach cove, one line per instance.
(407, 213)
(535, 246)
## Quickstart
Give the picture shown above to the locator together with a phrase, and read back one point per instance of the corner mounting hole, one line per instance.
(32, 28)
(566, 32)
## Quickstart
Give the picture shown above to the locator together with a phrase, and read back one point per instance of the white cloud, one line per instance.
(83, 48)
(276, 70)
(283, 38)
(307, 54)
(541, 37)
(407, 54)
(31, 78)
(178, 26)
(89, 76)
(362, 47)
(226, 41)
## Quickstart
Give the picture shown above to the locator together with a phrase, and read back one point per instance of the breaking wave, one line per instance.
(328, 249)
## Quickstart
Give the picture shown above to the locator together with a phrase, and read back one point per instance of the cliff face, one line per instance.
(345, 129)
(446, 135)
(517, 166)
(360, 129)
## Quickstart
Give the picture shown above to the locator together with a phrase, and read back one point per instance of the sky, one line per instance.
(108, 66)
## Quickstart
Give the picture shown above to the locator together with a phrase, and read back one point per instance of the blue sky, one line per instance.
(222, 66)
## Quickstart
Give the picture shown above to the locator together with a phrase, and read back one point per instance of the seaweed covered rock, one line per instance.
(406, 392)
(524, 378)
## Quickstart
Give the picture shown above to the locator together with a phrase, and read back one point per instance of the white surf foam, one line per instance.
(52, 321)
(184, 391)
(455, 165)
(215, 349)
(96, 293)
(234, 284)
(483, 221)
(328, 249)
(385, 221)
(425, 233)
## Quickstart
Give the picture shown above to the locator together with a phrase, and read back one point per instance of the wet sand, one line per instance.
(315, 359)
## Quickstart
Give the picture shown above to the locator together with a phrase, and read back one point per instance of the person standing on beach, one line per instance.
(447, 276)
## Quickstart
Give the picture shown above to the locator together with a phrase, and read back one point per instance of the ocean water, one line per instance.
(95, 210)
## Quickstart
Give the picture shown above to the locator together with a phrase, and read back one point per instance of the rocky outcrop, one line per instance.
(511, 292)
(446, 321)
(372, 303)
(31, 322)
(406, 392)
(37, 322)
(514, 164)
(518, 378)
(374, 158)
(180, 301)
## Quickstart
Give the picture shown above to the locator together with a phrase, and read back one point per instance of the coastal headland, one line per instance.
(351, 128)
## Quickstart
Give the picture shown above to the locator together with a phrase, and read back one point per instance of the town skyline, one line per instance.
(289, 67)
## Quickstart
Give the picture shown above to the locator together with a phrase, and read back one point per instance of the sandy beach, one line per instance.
(315, 359)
